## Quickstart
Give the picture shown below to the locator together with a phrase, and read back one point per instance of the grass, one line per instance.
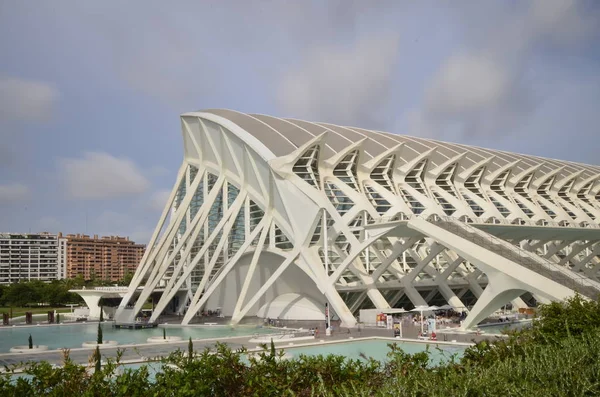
(20, 311)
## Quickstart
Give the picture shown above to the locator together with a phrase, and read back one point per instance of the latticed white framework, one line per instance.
(264, 207)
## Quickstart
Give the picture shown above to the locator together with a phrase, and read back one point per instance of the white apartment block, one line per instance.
(25, 257)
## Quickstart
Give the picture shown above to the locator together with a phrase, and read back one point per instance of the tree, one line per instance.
(76, 283)
(97, 360)
(22, 293)
(127, 277)
(101, 313)
(38, 291)
(30, 342)
(99, 338)
(55, 293)
(164, 333)
(190, 350)
(3, 290)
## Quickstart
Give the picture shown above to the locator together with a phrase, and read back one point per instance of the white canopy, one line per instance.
(393, 311)
(423, 308)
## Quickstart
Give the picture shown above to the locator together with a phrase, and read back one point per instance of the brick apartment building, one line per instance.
(107, 258)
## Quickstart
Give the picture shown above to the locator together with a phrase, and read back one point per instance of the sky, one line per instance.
(91, 92)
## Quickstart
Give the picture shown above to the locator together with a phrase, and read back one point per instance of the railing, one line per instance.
(482, 221)
(529, 260)
(284, 335)
(119, 289)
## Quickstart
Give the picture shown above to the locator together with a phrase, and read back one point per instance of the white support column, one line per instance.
(442, 282)
(556, 248)
(445, 275)
(354, 252)
(431, 294)
(325, 241)
(474, 285)
(499, 291)
(415, 297)
(450, 296)
(541, 299)
(580, 266)
(359, 300)
(195, 306)
(422, 263)
(398, 248)
(252, 267)
(166, 262)
(397, 296)
(224, 224)
(213, 260)
(575, 250)
(160, 251)
(145, 264)
(92, 300)
(274, 277)
(308, 261)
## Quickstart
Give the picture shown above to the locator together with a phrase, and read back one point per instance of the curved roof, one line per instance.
(283, 136)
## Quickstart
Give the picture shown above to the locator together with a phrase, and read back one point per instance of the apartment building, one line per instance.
(25, 257)
(107, 258)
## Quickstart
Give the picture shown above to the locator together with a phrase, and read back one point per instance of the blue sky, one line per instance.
(90, 92)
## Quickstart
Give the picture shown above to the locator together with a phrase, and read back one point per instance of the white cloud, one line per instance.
(488, 88)
(347, 85)
(465, 83)
(101, 176)
(13, 192)
(158, 171)
(563, 20)
(27, 100)
(158, 200)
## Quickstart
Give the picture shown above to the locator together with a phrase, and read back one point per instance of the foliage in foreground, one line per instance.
(558, 356)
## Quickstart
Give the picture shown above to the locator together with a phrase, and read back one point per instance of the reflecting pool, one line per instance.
(378, 350)
(498, 329)
(73, 335)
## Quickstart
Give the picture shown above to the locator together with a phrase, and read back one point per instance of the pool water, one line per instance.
(73, 335)
(499, 328)
(378, 350)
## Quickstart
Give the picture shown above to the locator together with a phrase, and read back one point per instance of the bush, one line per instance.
(554, 322)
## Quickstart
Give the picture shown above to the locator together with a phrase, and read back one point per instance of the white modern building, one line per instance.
(26, 257)
(275, 217)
